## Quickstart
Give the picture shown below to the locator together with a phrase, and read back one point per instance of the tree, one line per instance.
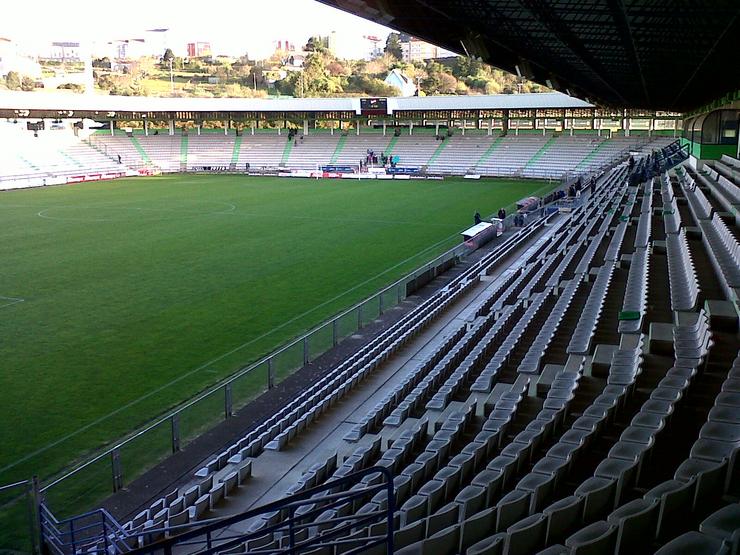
(13, 80)
(28, 84)
(393, 45)
(317, 44)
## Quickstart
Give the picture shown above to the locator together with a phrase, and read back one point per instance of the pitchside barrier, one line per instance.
(92, 481)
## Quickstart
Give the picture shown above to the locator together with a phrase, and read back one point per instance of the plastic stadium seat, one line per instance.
(598, 496)
(595, 539)
(675, 500)
(526, 536)
(563, 517)
(512, 507)
(636, 525)
(724, 524)
(493, 545)
(696, 544)
(477, 527)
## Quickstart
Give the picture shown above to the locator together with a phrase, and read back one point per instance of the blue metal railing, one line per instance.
(95, 531)
(297, 530)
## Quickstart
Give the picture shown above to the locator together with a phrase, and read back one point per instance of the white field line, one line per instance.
(9, 301)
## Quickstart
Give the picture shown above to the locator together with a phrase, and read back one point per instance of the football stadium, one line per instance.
(500, 324)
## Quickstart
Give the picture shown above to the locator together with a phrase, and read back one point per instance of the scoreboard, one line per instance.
(374, 106)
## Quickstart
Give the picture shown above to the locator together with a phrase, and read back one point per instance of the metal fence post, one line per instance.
(270, 374)
(334, 326)
(398, 293)
(305, 351)
(115, 458)
(175, 426)
(359, 317)
(228, 403)
(34, 513)
(380, 304)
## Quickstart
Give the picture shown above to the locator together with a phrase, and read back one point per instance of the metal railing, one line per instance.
(115, 467)
(97, 532)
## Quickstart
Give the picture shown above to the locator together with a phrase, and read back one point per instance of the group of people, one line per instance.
(374, 159)
(575, 189)
(294, 136)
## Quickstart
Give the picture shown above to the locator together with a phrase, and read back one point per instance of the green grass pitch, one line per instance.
(119, 300)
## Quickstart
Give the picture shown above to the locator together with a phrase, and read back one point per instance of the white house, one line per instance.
(396, 78)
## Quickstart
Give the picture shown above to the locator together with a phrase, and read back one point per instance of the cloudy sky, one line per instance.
(233, 27)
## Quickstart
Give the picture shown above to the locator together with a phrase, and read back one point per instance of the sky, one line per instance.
(233, 27)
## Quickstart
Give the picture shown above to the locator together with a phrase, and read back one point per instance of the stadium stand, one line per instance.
(456, 155)
(582, 397)
(52, 156)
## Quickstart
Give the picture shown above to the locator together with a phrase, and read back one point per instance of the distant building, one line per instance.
(199, 49)
(332, 42)
(417, 50)
(64, 52)
(130, 49)
(396, 78)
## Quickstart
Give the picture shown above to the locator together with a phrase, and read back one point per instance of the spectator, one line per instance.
(119, 159)
(476, 218)
(593, 186)
(501, 214)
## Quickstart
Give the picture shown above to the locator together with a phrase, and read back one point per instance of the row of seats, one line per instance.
(554, 453)
(276, 432)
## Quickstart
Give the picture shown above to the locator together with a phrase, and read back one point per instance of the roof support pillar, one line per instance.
(383, 128)
(464, 125)
(626, 124)
(411, 128)
(171, 127)
(111, 127)
(305, 127)
(490, 127)
(146, 128)
(198, 128)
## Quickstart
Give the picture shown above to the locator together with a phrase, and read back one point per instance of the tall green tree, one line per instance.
(393, 45)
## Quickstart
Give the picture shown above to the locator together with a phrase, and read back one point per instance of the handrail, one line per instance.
(111, 534)
(455, 251)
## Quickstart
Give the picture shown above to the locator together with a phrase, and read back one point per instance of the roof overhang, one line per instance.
(661, 54)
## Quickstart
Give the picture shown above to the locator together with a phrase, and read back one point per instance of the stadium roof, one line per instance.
(80, 104)
(651, 54)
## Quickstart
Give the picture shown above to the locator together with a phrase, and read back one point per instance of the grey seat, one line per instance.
(477, 527)
(471, 499)
(675, 504)
(598, 496)
(443, 518)
(695, 543)
(493, 545)
(636, 525)
(527, 535)
(512, 507)
(563, 517)
(724, 524)
(540, 486)
(595, 539)
(710, 479)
